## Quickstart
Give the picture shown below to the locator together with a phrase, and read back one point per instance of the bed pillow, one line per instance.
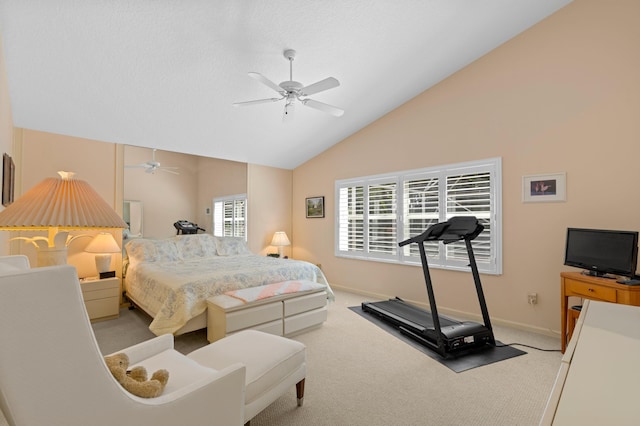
(208, 243)
(231, 246)
(189, 246)
(141, 250)
(167, 251)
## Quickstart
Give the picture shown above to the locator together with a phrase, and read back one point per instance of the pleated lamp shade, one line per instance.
(63, 202)
(56, 204)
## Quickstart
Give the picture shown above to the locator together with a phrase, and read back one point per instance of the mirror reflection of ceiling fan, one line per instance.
(292, 90)
(152, 165)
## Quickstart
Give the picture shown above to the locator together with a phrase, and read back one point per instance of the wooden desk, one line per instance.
(593, 288)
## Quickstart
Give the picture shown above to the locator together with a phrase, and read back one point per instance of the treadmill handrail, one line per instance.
(455, 229)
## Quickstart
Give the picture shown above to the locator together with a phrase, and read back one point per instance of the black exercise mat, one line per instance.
(459, 364)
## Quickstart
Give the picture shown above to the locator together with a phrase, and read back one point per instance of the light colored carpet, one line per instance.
(358, 374)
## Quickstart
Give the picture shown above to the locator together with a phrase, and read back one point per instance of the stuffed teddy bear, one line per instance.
(135, 380)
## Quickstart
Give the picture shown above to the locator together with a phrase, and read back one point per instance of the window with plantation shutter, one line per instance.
(376, 212)
(229, 216)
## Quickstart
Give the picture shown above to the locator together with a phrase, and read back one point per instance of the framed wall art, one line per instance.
(315, 207)
(544, 188)
(8, 176)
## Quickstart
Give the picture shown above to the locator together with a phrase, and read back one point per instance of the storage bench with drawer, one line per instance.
(281, 314)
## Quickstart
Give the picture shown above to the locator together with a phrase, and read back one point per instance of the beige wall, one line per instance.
(6, 120)
(269, 207)
(563, 96)
(6, 134)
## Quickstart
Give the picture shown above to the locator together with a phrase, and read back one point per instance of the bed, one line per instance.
(171, 279)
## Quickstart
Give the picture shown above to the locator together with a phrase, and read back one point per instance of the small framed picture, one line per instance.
(8, 176)
(315, 207)
(544, 188)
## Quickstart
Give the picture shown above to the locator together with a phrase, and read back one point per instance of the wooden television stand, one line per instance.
(576, 284)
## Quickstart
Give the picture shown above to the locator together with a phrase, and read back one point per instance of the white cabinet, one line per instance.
(101, 297)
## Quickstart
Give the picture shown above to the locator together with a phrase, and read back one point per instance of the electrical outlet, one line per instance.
(532, 298)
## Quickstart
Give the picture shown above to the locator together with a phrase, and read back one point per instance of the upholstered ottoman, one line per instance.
(273, 364)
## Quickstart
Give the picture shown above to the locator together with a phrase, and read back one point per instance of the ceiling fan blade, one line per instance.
(257, 101)
(264, 80)
(335, 111)
(168, 170)
(320, 86)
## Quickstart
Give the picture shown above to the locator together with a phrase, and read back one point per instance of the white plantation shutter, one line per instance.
(229, 216)
(382, 218)
(351, 219)
(421, 210)
(218, 218)
(239, 222)
(376, 212)
(470, 195)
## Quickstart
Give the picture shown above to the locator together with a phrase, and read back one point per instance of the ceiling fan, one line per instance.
(152, 165)
(292, 90)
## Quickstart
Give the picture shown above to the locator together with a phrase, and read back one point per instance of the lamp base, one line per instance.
(103, 262)
(108, 274)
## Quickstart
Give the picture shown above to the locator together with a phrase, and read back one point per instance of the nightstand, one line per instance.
(101, 297)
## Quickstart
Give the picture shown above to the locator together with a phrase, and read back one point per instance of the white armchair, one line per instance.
(52, 371)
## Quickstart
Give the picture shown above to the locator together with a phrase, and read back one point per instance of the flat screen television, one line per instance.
(602, 252)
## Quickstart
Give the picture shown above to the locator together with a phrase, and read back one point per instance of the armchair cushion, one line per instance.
(277, 358)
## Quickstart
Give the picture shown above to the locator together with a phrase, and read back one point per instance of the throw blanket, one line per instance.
(252, 294)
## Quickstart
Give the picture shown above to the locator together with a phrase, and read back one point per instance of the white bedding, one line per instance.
(176, 291)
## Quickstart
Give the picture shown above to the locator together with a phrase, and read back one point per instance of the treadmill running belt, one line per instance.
(411, 313)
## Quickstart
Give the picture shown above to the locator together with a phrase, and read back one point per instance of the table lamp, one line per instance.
(280, 240)
(103, 245)
(58, 205)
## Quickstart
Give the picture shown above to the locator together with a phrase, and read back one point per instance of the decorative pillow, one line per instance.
(189, 246)
(141, 250)
(230, 246)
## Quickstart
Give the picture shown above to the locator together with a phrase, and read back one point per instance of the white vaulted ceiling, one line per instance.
(164, 73)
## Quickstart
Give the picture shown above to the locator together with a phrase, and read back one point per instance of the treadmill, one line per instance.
(448, 337)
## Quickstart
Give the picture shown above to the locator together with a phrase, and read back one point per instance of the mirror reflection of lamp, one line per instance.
(103, 245)
(280, 240)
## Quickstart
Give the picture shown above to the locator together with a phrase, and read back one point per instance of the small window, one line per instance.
(230, 216)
